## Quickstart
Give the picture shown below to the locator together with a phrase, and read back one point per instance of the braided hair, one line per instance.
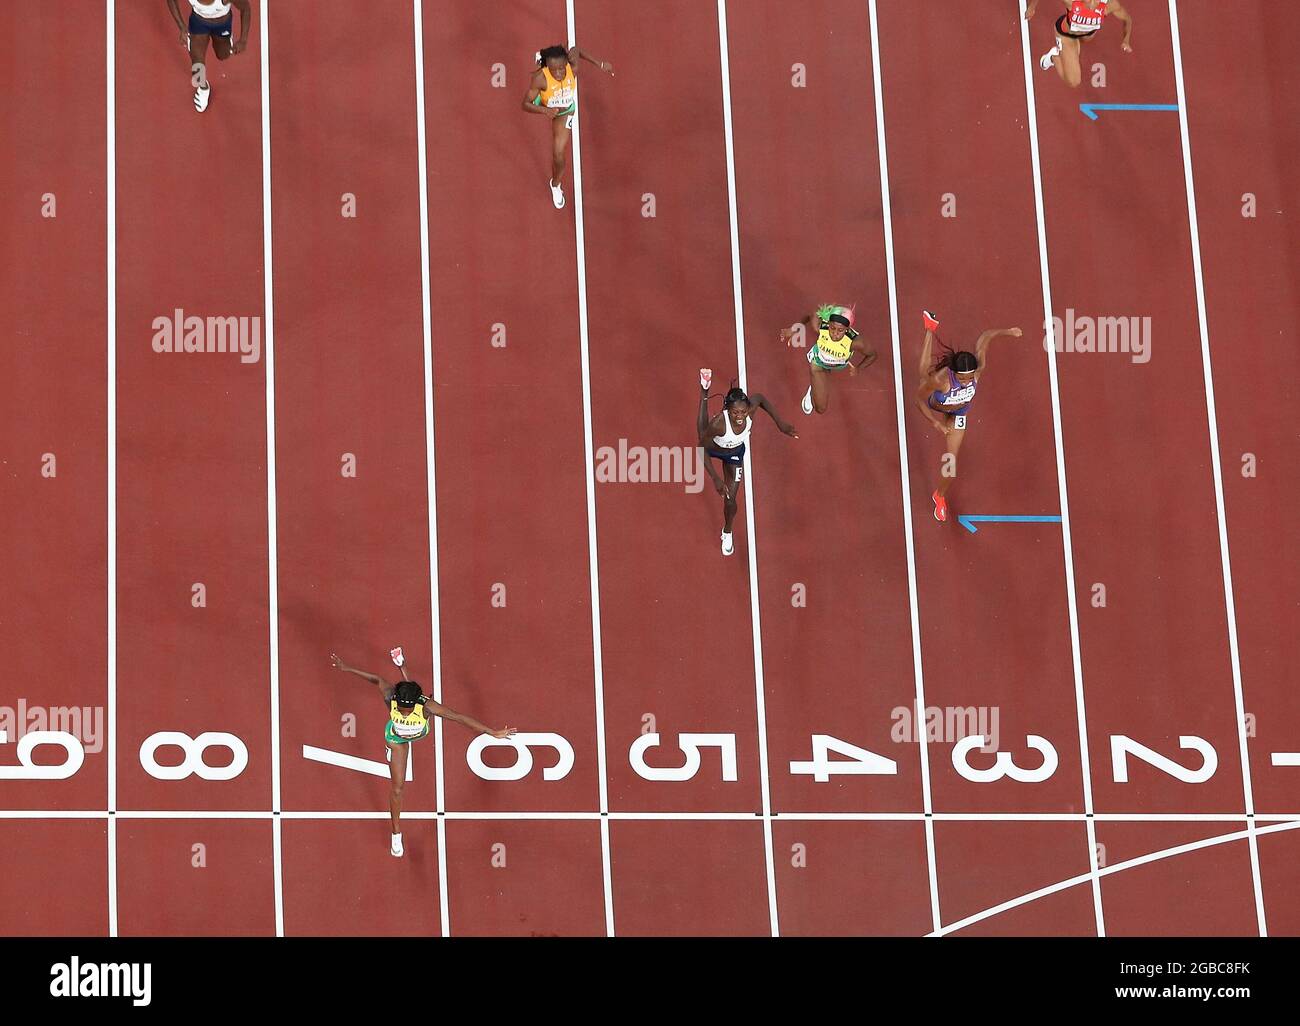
(960, 361)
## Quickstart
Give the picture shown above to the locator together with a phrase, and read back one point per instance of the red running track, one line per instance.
(439, 475)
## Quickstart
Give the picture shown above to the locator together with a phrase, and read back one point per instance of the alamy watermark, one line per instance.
(947, 724)
(77, 979)
(84, 722)
(654, 464)
(1080, 333)
(192, 334)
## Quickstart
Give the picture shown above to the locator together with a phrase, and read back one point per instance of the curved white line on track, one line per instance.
(1229, 600)
(1119, 867)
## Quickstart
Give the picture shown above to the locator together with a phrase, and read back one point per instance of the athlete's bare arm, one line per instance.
(180, 22)
(245, 19)
(535, 87)
(373, 678)
(982, 344)
(711, 428)
(576, 55)
(860, 345)
(436, 709)
(762, 403)
(811, 321)
(923, 401)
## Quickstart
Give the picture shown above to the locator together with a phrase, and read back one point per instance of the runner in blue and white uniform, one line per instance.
(724, 438)
(946, 392)
(211, 20)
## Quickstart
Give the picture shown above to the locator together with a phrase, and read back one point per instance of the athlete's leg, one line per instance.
(927, 351)
(397, 770)
(198, 48)
(1067, 63)
(559, 148)
(820, 387)
(948, 473)
(221, 47)
(198, 62)
(199, 71)
(731, 481)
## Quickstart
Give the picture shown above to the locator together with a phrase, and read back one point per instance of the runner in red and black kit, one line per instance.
(1081, 21)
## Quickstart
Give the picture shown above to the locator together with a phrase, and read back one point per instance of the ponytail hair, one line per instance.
(734, 395)
(960, 361)
(542, 56)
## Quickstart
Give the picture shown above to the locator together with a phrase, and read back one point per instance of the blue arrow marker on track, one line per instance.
(1090, 109)
(969, 521)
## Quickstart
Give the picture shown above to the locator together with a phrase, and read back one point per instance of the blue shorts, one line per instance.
(735, 457)
(201, 27)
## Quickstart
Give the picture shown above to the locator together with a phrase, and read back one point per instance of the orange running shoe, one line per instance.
(930, 321)
(940, 508)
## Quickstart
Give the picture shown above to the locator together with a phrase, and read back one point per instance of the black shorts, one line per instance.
(202, 27)
(735, 457)
(1062, 30)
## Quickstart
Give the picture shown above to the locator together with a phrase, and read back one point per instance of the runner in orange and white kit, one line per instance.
(1081, 21)
(553, 92)
(946, 392)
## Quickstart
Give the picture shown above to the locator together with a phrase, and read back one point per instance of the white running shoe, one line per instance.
(706, 378)
(807, 405)
(557, 196)
(1046, 61)
(202, 97)
(728, 544)
(396, 848)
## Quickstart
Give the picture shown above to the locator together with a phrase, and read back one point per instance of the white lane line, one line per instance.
(1233, 650)
(110, 192)
(971, 817)
(904, 471)
(272, 575)
(593, 556)
(1067, 540)
(750, 521)
(1118, 867)
(430, 460)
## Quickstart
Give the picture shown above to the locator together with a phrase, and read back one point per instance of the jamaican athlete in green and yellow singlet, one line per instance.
(403, 729)
(829, 353)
